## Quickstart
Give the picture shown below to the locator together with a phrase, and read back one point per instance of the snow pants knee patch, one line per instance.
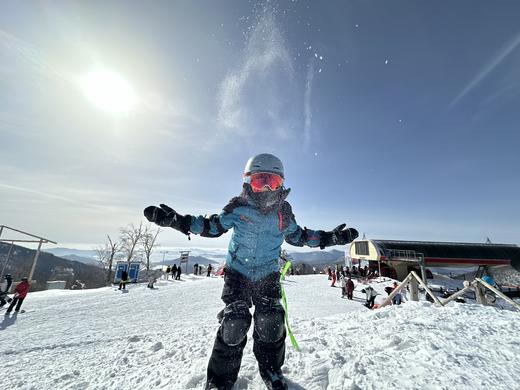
(269, 323)
(236, 321)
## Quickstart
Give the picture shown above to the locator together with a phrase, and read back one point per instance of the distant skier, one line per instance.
(20, 292)
(396, 300)
(168, 270)
(124, 279)
(178, 276)
(343, 282)
(209, 270)
(371, 296)
(5, 286)
(174, 271)
(350, 288)
(333, 278)
(151, 282)
(261, 219)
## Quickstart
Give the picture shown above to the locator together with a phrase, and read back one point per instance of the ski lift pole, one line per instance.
(7, 259)
(379, 269)
(35, 260)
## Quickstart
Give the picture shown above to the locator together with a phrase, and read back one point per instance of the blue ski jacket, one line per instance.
(257, 236)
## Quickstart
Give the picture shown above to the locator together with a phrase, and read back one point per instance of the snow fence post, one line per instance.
(435, 299)
(479, 292)
(414, 290)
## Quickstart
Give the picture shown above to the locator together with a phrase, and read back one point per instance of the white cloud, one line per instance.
(254, 98)
(506, 50)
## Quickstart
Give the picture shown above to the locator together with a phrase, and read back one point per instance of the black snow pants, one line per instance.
(239, 294)
(16, 301)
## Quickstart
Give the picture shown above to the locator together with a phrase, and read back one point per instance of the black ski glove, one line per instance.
(165, 216)
(339, 236)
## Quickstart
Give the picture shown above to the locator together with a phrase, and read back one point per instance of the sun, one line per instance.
(108, 91)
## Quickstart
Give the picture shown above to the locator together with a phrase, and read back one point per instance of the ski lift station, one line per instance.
(397, 258)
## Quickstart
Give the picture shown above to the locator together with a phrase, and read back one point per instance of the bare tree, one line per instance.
(106, 254)
(131, 238)
(149, 242)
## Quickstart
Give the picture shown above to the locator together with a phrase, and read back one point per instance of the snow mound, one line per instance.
(162, 338)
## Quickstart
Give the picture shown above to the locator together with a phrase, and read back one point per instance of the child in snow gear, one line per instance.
(124, 278)
(4, 289)
(20, 292)
(261, 219)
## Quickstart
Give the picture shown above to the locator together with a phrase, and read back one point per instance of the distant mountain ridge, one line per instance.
(84, 260)
(303, 260)
(49, 267)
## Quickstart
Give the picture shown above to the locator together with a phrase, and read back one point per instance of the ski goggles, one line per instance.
(259, 181)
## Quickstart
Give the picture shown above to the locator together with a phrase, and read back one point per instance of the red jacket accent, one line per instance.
(22, 289)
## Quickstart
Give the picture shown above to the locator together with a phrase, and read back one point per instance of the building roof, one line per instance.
(456, 250)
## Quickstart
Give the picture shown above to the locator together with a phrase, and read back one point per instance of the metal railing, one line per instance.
(37, 239)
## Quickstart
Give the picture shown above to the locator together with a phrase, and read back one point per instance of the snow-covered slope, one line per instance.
(152, 339)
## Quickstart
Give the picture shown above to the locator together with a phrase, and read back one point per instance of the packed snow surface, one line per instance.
(162, 338)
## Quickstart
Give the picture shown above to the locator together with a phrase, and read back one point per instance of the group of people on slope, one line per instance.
(355, 272)
(199, 269)
(347, 287)
(175, 271)
(20, 292)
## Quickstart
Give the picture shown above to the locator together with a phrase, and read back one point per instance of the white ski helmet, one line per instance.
(264, 162)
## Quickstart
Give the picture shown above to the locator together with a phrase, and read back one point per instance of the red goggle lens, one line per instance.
(260, 180)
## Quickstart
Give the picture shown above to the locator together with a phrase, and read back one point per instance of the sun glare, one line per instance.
(108, 91)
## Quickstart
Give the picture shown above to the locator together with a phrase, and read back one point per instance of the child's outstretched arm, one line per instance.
(297, 236)
(212, 226)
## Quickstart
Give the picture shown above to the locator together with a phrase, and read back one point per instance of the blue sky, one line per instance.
(399, 118)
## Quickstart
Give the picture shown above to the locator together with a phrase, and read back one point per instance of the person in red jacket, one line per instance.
(20, 292)
(333, 278)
